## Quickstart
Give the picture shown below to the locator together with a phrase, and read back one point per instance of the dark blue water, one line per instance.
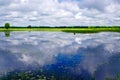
(59, 56)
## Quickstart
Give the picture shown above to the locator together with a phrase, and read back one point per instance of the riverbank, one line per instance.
(72, 30)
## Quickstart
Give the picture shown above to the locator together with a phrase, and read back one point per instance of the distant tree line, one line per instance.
(72, 26)
(7, 25)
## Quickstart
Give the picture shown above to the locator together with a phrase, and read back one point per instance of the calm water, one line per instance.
(60, 56)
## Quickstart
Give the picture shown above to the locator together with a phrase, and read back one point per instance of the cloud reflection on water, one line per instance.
(26, 49)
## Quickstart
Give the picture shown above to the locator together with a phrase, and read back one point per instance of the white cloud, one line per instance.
(60, 12)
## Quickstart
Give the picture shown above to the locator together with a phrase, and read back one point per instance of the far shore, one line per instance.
(61, 29)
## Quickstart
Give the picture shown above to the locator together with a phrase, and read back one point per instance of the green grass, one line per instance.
(93, 30)
(72, 30)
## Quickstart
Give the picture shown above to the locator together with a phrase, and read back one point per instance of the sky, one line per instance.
(60, 12)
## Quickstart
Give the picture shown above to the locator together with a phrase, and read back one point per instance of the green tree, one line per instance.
(7, 25)
(29, 26)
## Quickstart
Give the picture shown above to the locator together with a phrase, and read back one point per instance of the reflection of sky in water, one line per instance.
(81, 54)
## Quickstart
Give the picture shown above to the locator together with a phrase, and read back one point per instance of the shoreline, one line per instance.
(70, 30)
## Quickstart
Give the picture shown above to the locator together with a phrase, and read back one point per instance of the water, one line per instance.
(59, 56)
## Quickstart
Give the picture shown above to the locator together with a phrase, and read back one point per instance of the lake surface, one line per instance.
(59, 56)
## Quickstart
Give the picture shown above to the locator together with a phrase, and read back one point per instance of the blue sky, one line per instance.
(60, 12)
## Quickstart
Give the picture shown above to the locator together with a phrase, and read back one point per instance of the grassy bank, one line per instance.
(73, 30)
(93, 30)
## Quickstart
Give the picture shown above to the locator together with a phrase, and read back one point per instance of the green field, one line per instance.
(73, 30)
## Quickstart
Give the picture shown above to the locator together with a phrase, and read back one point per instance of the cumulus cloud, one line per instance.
(60, 12)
